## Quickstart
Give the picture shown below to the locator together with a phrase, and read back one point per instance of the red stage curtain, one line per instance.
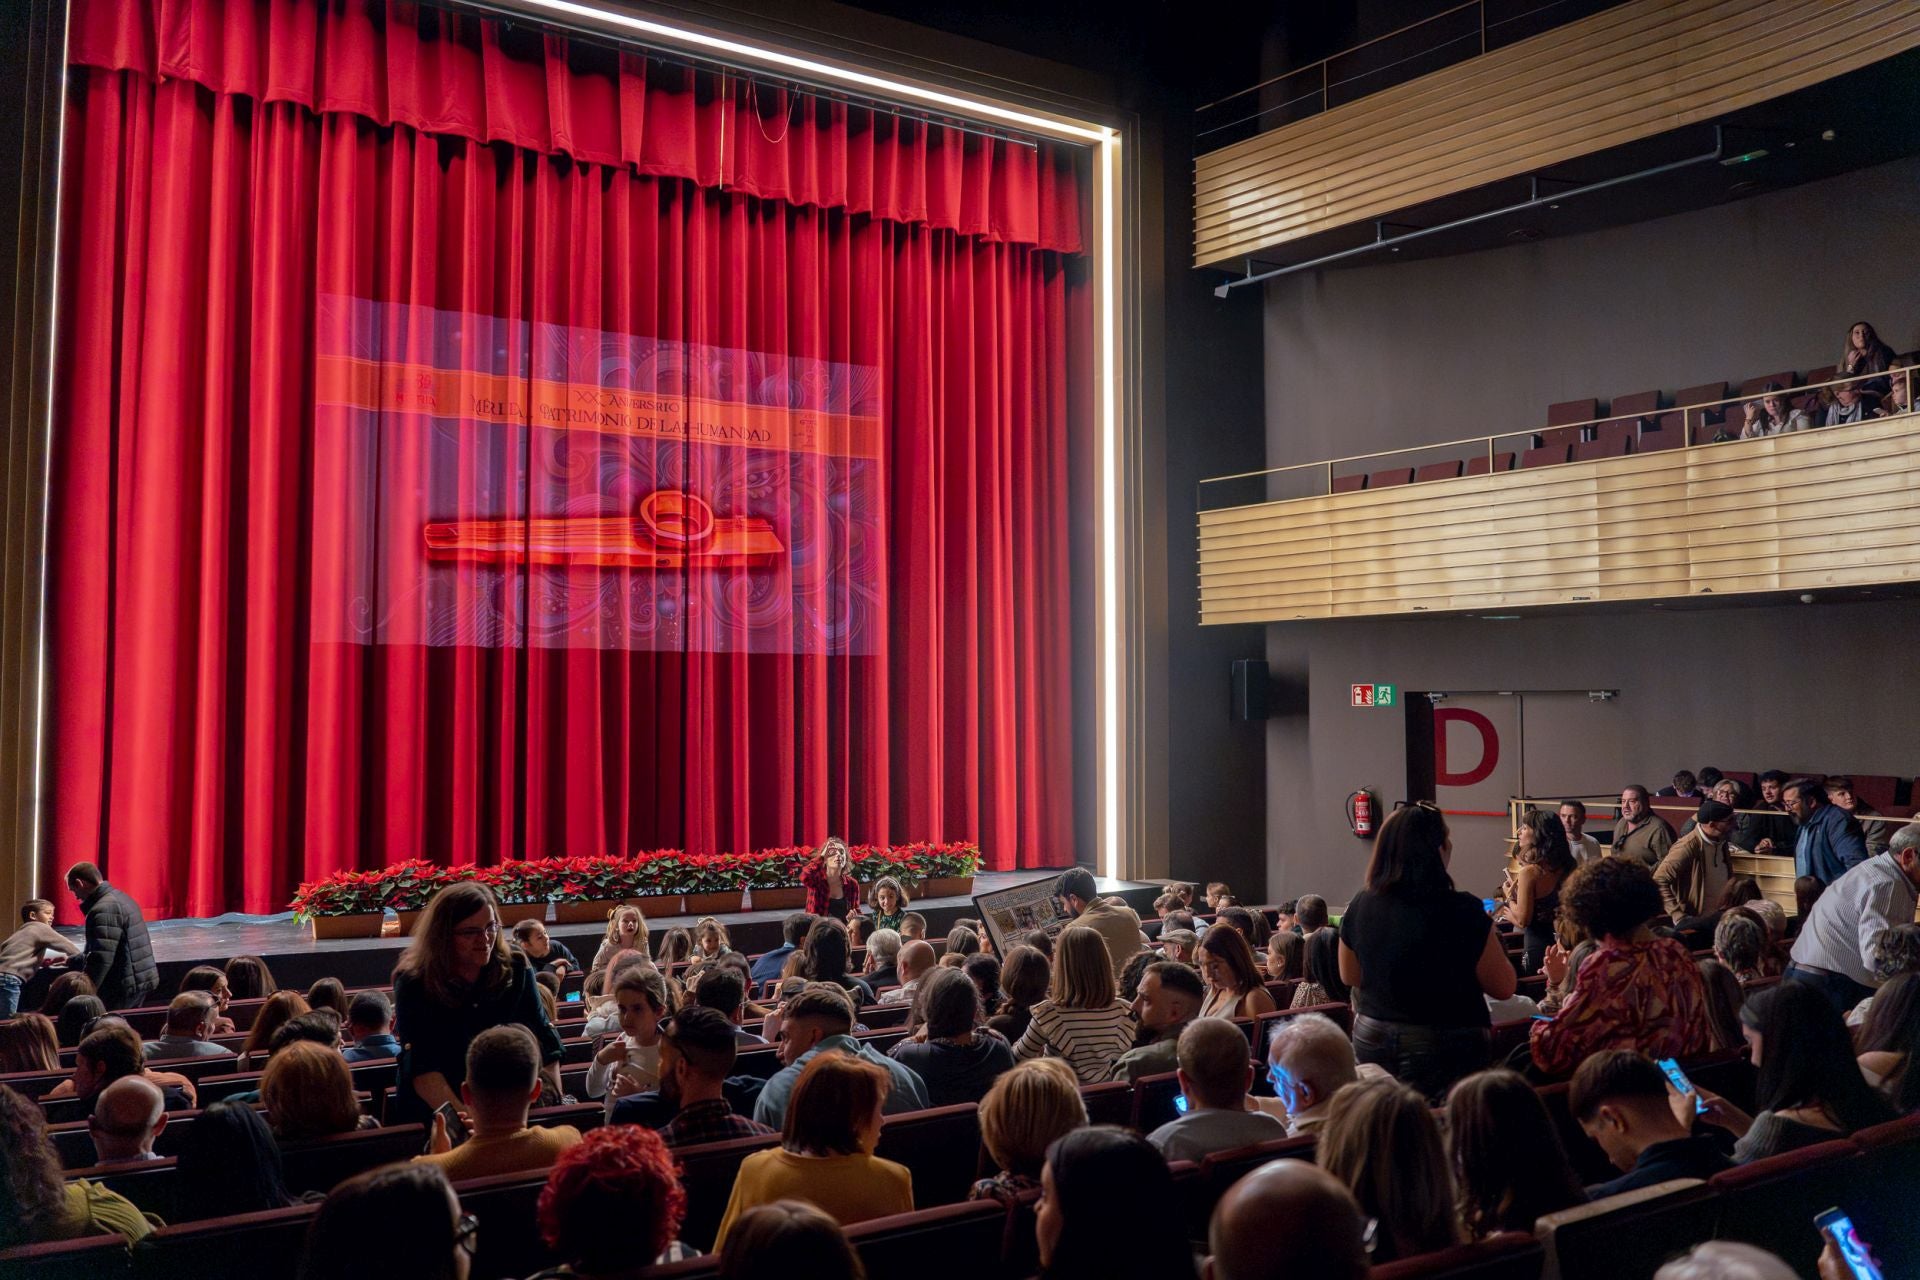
(233, 165)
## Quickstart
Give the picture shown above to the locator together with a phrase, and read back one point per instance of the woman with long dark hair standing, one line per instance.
(457, 979)
(1421, 957)
(1533, 890)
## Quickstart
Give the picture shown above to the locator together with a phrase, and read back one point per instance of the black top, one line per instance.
(1012, 1024)
(1690, 1157)
(885, 976)
(862, 993)
(118, 954)
(557, 953)
(1418, 956)
(435, 1036)
(956, 1073)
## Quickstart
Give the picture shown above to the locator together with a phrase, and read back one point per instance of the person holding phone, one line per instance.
(828, 878)
(457, 979)
(1846, 1256)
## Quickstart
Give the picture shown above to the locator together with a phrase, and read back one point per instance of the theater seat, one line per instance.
(1631, 1234)
(509, 1243)
(242, 1246)
(1349, 484)
(1224, 1168)
(1754, 386)
(321, 1164)
(1823, 374)
(941, 1146)
(1511, 1255)
(1153, 1101)
(1544, 456)
(1771, 1202)
(949, 1242)
(1477, 465)
(1572, 411)
(1705, 393)
(707, 1174)
(1389, 478)
(1437, 471)
(1593, 450)
(1568, 436)
(89, 1258)
(1641, 404)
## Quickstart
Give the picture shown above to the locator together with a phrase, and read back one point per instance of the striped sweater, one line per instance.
(1089, 1039)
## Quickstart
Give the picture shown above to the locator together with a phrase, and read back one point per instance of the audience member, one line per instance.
(76, 1017)
(913, 927)
(613, 1206)
(1724, 997)
(1772, 415)
(1829, 842)
(1835, 949)
(1727, 1260)
(1311, 914)
(1739, 943)
(1309, 1059)
(1695, 873)
(502, 1085)
(1118, 926)
(676, 947)
(1235, 986)
(1322, 984)
(826, 959)
(1080, 1020)
(1810, 1087)
(1640, 833)
(455, 980)
(1286, 956)
(710, 939)
(829, 1128)
(248, 978)
(280, 1008)
(1684, 787)
(1094, 1180)
(785, 1239)
(228, 1162)
(983, 970)
(697, 1048)
(1532, 890)
(1622, 1101)
(370, 1023)
(1769, 831)
(1507, 1155)
(1899, 397)
(890, 902)
(1023, 1113)
(35, 1204)
(29, 1042)
(1573, 820)
(957, 1060)
(604, 1017)
(1875, 830)
(629, 1060)
(793, 931)
(1250, 926)
(189, 1030)
(917, 960)
(1852, 402)
(67, 986)
(1896, 951)
(819, 1023)
(1421, 957)
(626, 931)
(1182, 945)
(1136, 970)
(205, 977)
(127, 1116)
(1636, 991)
(398, 1222)
(308, 1093)
(1382, 1141)
(1284, 1220)
(723, 989)
(832, 891)
(1024, 979)
(542, 950)
(883, 959)
(118, 957)
(1890, 1041)
(316, 1026)
(34, 946)
(1214, 1078)
(111, 1051)
(1864, 352)
(1170, 997)
(328, 993)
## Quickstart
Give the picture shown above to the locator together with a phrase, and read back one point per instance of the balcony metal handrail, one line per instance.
(1906, 374)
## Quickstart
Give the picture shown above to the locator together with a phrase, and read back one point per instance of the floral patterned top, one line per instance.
(1646, 996)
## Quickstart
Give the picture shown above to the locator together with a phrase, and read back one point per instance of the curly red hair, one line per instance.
(617, 1188)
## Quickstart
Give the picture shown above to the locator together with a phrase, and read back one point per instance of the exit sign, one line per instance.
(1374, 695)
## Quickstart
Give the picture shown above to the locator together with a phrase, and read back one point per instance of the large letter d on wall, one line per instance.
(1443, 719)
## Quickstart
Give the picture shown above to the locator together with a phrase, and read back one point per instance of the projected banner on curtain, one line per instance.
(504, 484)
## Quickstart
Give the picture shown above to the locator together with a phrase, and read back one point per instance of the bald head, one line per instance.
(1288, 1218)
(916, 959)
(127, 1116)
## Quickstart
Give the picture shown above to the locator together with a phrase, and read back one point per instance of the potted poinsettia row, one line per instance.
(659, 881)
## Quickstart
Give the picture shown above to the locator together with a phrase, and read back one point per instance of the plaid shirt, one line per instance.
(710, 1121)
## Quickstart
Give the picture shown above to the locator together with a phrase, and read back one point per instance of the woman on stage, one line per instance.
(457, 979)
(831, 889)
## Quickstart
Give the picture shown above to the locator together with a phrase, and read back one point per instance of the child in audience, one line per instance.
(1024, 979)
(710, 939)
(629, 1061)
(676, 947)
(1323, 984)
(626, 931)
(1382, 1141)
(541, 951)
(24, 952)
(328, 993)
(890, 901)
(1286, 956)
(913, 927)
(1898, 399)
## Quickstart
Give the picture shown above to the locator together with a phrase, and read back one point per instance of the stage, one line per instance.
(297, 960)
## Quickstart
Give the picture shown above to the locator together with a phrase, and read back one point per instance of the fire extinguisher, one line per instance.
(1360, 813)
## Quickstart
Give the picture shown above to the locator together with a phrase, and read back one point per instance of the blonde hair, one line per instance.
(639, 942)
(1026, 1109)
(709, 927)
(1082, 970)
(309, 1092)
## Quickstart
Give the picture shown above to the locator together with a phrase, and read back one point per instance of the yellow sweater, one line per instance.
(848, 1188)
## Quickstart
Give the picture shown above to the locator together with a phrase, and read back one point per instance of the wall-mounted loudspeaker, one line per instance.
(1250, 700)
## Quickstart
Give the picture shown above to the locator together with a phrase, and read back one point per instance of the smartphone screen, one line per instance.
(1678, 1079)
(573, 997)
(456, 1127)
(1489, 904)
(1180, 1103)
(1853, 1250)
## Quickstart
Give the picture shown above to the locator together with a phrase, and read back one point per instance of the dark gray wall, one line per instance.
(1377, 357)
(1397, 354)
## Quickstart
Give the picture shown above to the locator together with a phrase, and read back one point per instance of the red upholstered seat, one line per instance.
(239, 1247)
(88, 1258)
(1572, 411)
(1389, 478)
(1641, 404)
(941, 1146)
(1769, 1202)
(1656, 438)
(1618, 447)
(1349, 484)
(1437, 471)
(1511, 1255)
(1567, 436)
(1754, 386)
(1705, 393)
(947, 1242)
(1544, 456)
(1631, 1234)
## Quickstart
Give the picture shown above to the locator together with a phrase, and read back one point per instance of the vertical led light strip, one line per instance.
(1107, 629)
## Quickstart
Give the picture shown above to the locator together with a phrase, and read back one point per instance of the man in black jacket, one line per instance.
(118, 956)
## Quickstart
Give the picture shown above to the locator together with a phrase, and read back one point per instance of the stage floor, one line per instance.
(298, 960)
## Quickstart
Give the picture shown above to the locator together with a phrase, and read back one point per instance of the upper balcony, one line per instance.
(1644, 505)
